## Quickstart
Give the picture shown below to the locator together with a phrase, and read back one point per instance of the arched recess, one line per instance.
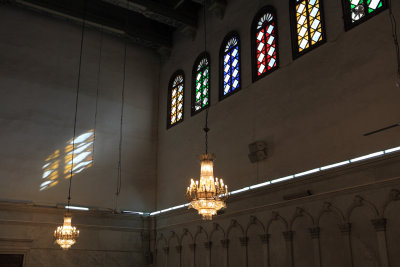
(218, 253)
(254, 231)
(201, 253)
(392, 214)
(275, 228)
(331, 239)
(236, 252)
(160, 256)
(303, 247)
(174, 245)
(187, 256)
(364, 241)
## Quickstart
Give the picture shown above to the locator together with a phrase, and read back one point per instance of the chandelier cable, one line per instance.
(205, 27)
(119, 175)
(77, 101)
(97, 91)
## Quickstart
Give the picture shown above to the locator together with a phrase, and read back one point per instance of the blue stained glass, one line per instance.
(231, 66)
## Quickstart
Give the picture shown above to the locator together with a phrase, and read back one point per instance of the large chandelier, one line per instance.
(209, 195)
(66, 235)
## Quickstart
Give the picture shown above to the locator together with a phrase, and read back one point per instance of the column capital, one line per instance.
(265, 238)
(208, 245)
(345, 228)
(244, 241)
(178, 249)
(192, 246)
(166, 250)
(314, 231)
(288, 235)
(225, 243)
(379, 224)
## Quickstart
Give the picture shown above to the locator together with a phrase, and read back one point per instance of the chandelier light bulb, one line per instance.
(209, 194)
(66, 234)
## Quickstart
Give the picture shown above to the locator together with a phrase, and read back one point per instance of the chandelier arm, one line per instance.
(77, 101)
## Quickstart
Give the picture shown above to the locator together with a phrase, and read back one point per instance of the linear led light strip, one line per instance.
(335, 165)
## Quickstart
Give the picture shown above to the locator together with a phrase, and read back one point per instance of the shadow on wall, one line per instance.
(59, 163)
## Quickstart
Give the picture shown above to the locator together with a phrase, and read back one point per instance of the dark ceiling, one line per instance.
(150, 23)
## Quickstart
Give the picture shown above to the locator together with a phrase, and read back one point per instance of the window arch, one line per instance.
(175, 99)
(201, 83)
(308, 26)
(358, 11)
(264, 39)
(230, 80)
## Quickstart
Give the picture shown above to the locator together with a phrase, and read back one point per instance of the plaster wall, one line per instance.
(311, 112)
(39, 58)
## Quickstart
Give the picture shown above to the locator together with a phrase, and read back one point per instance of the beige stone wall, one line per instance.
(351, 219)
(311, 112)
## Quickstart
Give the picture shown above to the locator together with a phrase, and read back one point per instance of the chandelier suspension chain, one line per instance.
(206, 130)
(77, 100)
(393, 23)
(97, 91)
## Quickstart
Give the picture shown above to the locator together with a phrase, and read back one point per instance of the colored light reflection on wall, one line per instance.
(59, 163)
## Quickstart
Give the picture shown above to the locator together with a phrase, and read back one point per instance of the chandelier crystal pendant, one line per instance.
(208, 195)
(66, 235)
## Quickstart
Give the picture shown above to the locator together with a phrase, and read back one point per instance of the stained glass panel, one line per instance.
(266, 44)
(308, 24)
(231, 66)
(176, 100)
(363, 8)
(202, 85)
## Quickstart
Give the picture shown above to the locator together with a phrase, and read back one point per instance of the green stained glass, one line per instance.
(364, 8)
(202, 85)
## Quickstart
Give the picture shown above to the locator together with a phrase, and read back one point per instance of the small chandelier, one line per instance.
(66, 235)
(209, 195)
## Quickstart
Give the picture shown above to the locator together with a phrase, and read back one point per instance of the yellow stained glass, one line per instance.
(308, 23)
(176, 110)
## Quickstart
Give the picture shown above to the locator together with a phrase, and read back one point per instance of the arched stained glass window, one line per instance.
(201, 84)
(358, 11)
(175, 99)
(230, 65)
(308, 29)
(264, 42)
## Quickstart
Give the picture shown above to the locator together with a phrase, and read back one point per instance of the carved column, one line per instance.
(244, 242)
(315, 231)
(265, 245)
(179, 250)
(166, 252)
(193, 250)
(380, 228)
(225, 245)
(289, 247)
(155, 257)
(207, 246)
(348, 253)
